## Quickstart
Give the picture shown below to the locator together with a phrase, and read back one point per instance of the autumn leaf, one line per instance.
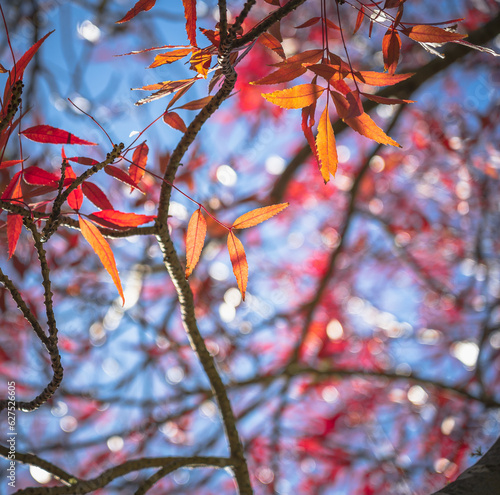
(121, 175)
(359, 19)
(164, 88)
(140, 6)
(299, 96)
(168, 58)
(325, 144)
(200, 61)
(386, 101)
(139, 158)
(432, 34)
(309, 56)
(14, 227)
(307, 124)
(39, 177)
(10, 163)
(175, 121)
(195, 239)
(13, 189)
(95, 195)
(190, 15)
(259, 215)
(48, 134)
(196, 104)
(121, 219)
(362, 124)
(288, 72)
(75, 197)
(379, 78)
(311, 22)
(83, 160)
(101, 247)
(238, 261)
(391, 46)
(269, 41)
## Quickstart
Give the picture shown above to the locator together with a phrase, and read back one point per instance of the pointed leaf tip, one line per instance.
(195, 239)
(101, 247)
(259, 215)
(238, 261)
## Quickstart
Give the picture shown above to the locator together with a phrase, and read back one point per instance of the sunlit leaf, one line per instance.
(49, 134)
(432, 34)
(359, 19)
(75, 197)
(139, 158)
(175, 121)
(121, 175)
(195, 239)
(101, 247)
(299, 96)
(83, 160)
(238, 261)
(121, 219)
(288, 72)
(386, 101)
(10, 163)
(14, 227)
(378, 78)
(140, 6)
(196, 104)
(38, 176)
(169, 57)
(95, 195)
(325, 144)
(190, 15)
(269, 41)
(13, 189)
(391, 46)
(258, 215)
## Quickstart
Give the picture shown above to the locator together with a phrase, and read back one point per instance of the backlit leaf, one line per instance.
(122, 176)
(121, 219)
(75, 198)
(311, 22)
(238, 261)
(288, 72)
(174, 120)
(258, 215)
(95, 195)
(325, 144)
(195, 239)
(10, 163)
(432, 34)
(139, 158)
(386, 101)
(359, 19)
(299, 96)
(269, 41)
(101, 247)
(391, 46)
(14, 227)
(83, 160)
(49, 134)
(169, 57)
(196, 104)
(378, 78)
(190, 15)
(13, 189)
(38, 176)
(140, 6)
(362, 124)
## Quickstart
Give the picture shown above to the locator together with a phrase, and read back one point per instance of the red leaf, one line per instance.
(102, 249)
(75, 198)
(48, 134)
(140, 6)
(10, 163)
(359, 19)
(259, 215)
(13, 189)
(121, 219)
(83, 160)
(391, 46)
(174, 120)
(195, 239)
(190, 15)
(196, 104)
(311, 22)
(95, 195)
(238, 261)
(18, 70)
(432, 34)
(122, 176)
(325, 144)
(140, 159)
(37, 176)
(14, 227)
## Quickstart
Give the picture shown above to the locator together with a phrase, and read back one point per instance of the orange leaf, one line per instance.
(122, 219)
(239, 262)
(359, 19)
(379, 78)
(432, 34)
(14, 227)
(307, 124)
(169, 57)
(102, 249)
(200, 61)
(362, 124)
(174, 120)
(140, 6)
(195, 239)
(190, 15)
(269, 41)
(284, 74)
(299, 96)
(309, 56)
(258, 215)
(391, 46)
(325, 143)
(140, 159)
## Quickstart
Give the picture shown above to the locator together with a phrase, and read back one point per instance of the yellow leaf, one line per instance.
(195, 238)
(102, 249)
(299, 96)
(258, 215)
(325, 144)
(239, 262)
